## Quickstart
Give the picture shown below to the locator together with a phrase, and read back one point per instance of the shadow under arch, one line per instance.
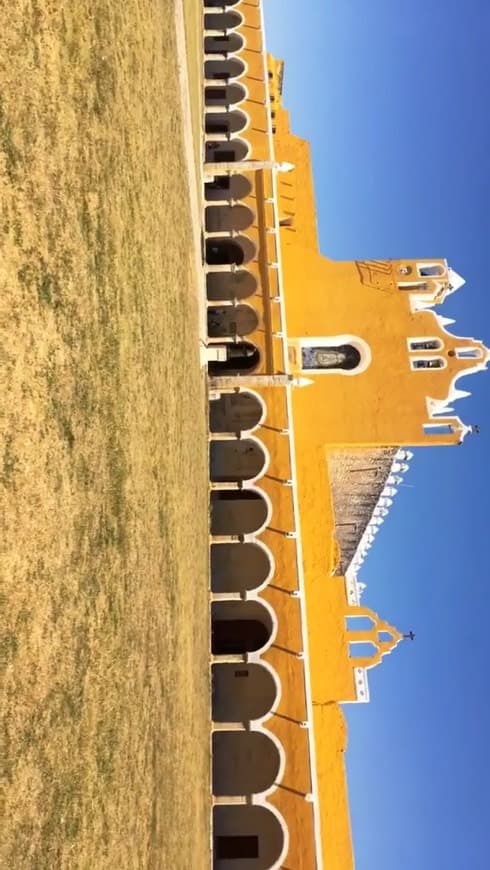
(231, 321)
(222, 20)
(231, 68)
(225, 123)
(240, 411)
(221, 286)
(243, 693)
(227, 187)
(223, 218)
(227, 251)
(229, 43)
(244, 762)
(241, 627)
(241, 356)
(224, 95)
(226, 151)
(240, 567)
(253, 836)
(232, 461)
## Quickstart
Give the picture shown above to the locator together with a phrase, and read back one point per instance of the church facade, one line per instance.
(322, 375)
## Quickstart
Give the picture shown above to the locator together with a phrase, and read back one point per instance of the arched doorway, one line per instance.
(239, 627)
(221, 252)
(244, 762)
(227, 187)
(227, 152)
(226, 44)
(230, 285)
(235, 412)
(222, 20)
(242, 693)
(228, 217)
(248, 836)
(232, 461)
(231, 68)
(224, 95)
(225, 123)
(241, 512)
(239, 567)
(231, 321)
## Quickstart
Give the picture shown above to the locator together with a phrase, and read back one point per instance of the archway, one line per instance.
(222, 20)
(230, 285)
(239, 567)
(252, 837)
(237, 460)
(242, 693)
(238, 512)
(226, 44)
(224, 251)
(228, 217)
(227, 152)
(223, 4)
(235, 412)
(231, 321)
(239, 627)
(227, 187)
(241, 356)
(224, 95)
(225, 123)
(231, 68)
(244, 762)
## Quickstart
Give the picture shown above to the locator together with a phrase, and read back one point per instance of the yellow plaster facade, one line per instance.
(382, 368)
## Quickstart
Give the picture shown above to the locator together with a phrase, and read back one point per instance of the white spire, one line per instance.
(455, 281)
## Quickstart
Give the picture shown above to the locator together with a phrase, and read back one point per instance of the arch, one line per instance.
(241, 356)
(227, 187)
(241, 627)
(228, 43)
(228, 217)
(225, 123)
(223, 251)
(237, 412)
(231, 68)
(231, 320)
(248, 829)
(230, 285)
(338, 355)
(243, 693)
(244, 762)
(239, 512)
(240, 567)
(431, 270)
(226, 151)
(221, 3)
(237, 460)
(224, 95)
(359, 622)
(222, 20)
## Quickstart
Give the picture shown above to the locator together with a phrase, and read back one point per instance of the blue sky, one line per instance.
(394, 100)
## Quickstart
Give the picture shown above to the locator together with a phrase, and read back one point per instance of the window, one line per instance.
(385, 637)
(362, 650)
(243, 673)
(435, 363)
(405, 270)
(359, 623)
(413, 285)
(425, 344)
(468, 353)
(438, 429)
(431, 270)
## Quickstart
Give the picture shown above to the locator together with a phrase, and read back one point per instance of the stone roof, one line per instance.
(357, 478)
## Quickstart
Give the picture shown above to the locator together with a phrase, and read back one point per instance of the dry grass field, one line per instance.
(103, 450)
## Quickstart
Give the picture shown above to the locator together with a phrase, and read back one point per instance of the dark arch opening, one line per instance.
(220, 3)
(231, 321)
(228, 217)
(247, 836)
(222, 20)
(226, 152)
(226, 187)
(239, 627)
(233, 461)
(242, 694)
(244, 762)
(224, 95)
(241, 356)
(234, 412)
(238, 567)
(231, 68)
(221, 252)
(226, 44)
(225, 123)
(230, 285)
(240, 512)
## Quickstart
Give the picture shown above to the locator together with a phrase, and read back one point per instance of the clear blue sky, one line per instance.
(393, 97)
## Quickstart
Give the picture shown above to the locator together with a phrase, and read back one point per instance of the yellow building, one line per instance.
(322, 374)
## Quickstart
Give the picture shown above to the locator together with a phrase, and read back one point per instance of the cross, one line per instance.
(409, 636)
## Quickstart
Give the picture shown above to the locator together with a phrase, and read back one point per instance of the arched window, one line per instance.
(425, 344)
(342, 356)
(431, 270)
(434, 363)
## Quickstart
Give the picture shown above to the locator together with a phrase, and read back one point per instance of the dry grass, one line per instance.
(103, 447)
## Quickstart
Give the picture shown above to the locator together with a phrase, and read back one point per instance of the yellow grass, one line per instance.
(103, 496)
